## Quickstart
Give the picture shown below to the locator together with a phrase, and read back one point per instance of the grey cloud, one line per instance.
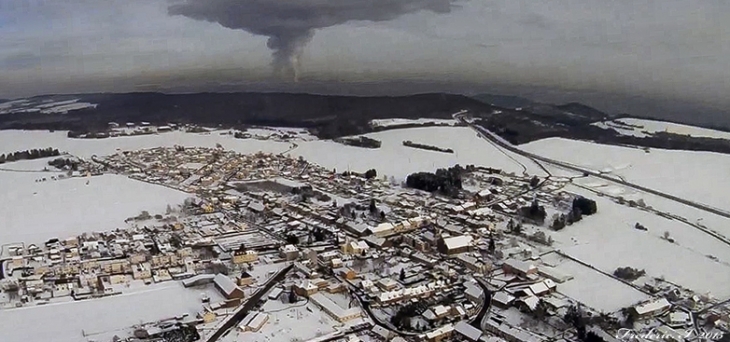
(290, 24)
(22, 60)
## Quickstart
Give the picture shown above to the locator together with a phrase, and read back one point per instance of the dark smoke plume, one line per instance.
(290, 24)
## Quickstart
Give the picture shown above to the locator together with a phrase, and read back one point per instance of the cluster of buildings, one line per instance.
(385, 262)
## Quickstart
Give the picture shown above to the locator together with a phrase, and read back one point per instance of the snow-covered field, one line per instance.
(21, 140)
(596, 290)
(392, 159)
(643, 128)
(100, 319)
(108, 200)
(622, 129)
(286, 322)
(401, 122)
(297, 133)
(686, 174)
(608, 240)
(34, 212)
(46, 107)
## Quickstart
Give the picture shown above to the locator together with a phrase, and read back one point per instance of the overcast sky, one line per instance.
(667, 48)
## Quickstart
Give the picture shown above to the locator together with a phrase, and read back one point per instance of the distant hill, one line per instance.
(327, 116)
(505, 101)
(583, 110)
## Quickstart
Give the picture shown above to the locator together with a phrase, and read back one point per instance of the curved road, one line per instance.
(493, 138)
(478, 319)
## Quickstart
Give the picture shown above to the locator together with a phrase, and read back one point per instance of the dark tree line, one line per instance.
(29, 155)
(402, 317)
(427, 147)
(370, 174)
(575, 318)
(60, 163)
(534, 212)
(586, 206)
(317, 234)
(292, 239)
(581, 206)
(444, 181)
(360, 142)
(628, 273)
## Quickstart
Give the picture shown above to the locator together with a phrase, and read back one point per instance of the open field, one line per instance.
(100, 318)
(34, 212)
(392, 159)
(688, 174)
(608, 240)
(595, 289)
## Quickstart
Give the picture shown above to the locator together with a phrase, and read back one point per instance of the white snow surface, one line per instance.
(392, 159)
(645, 128)
(686, 174)
(653, 126)
(622, 129)
(597, 290)
(608, 240)
(71, 207)
(102, 318)
(34, 212)
(63, 109)
(400, 122)
(45, 107)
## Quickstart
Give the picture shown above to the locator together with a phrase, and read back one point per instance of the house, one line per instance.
(455, 244)
(381, 332)
(473, 293)
(355, 247)
(543, 287)
(679, 319)
(519, 267)
(141, 271)
(359, 229)
(207, 315)
(289, 252)
(554, 274)
(510, 333)
(245, 279)
(198, 280)
(256, 207)
(440, 334)
(336, 287)
(244, 256)
(347, 273)
(387, 284)
(437, 312)
(670, 335)
(528, 304)
(331, 308)
(329, 255)
(227, 287)
(502, 299)
(306, 288)
(469, 332)
(308, 272)
(652, 308)
(473, 264)
(383, 229)
(254, 321)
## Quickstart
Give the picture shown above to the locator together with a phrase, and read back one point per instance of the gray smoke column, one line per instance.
(290, 24)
